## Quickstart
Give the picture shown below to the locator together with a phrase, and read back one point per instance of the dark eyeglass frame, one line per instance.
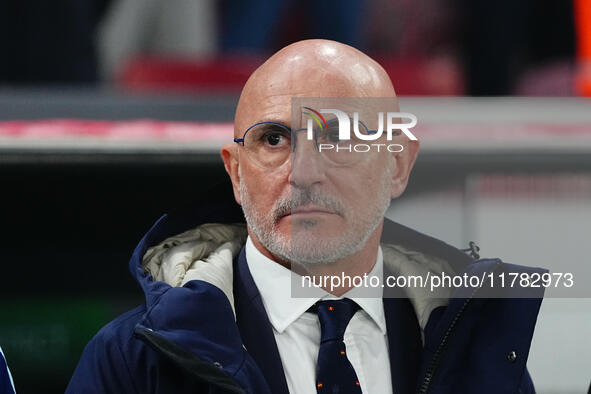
(241, 140)
(289, 130)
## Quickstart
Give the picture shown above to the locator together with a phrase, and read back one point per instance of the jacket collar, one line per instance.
(175, 223)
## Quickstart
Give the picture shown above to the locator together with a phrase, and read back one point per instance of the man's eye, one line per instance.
(274, 138)
(333, 136)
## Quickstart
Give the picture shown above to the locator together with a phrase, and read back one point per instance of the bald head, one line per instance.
(310, 68)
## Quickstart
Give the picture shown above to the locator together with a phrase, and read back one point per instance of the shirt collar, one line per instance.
(274, 284)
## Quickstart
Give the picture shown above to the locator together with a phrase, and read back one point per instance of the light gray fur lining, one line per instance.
(207, 253)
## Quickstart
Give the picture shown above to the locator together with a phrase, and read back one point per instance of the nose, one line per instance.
(307, 165)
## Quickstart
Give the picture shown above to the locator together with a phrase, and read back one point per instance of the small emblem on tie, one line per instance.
(333, 368)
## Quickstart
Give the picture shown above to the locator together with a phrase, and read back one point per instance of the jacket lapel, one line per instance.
(404, 343)
(255, 329)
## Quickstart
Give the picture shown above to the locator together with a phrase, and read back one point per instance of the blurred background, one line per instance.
(112, 112)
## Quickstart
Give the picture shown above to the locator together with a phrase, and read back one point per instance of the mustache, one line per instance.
(300, 197)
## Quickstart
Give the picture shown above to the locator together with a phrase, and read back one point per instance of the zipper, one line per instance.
(434, 364)
(436, 360)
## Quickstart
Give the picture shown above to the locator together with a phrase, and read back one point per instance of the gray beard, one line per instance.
(303, 248)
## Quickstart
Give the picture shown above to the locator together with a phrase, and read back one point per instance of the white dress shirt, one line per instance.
(297, 332)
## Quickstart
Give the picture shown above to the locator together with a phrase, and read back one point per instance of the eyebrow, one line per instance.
(266, 124)
(275, 126)
(270, 123)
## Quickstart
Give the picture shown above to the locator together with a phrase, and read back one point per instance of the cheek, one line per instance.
(361, 186)
(264, 187)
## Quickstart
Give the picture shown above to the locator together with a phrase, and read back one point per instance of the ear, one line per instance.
(229, 154)
(403, 163)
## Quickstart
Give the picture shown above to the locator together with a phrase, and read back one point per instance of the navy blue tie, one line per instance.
(334, 372)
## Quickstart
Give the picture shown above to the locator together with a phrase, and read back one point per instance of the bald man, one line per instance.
(223, 310)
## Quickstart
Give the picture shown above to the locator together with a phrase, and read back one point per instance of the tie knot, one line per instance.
(334, 316)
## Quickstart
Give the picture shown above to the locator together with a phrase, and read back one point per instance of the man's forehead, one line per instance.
(308, 69)
(292, 110)
(265, 104)
(276, 108)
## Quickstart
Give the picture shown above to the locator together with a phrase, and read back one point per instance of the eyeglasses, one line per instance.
(270, 144)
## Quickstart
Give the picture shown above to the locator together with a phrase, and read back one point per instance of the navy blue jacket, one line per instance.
(6, 384)
(186, 339)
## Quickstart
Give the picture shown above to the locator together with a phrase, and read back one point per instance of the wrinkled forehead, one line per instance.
(322, 109)
(269, 92)
(294, 110)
